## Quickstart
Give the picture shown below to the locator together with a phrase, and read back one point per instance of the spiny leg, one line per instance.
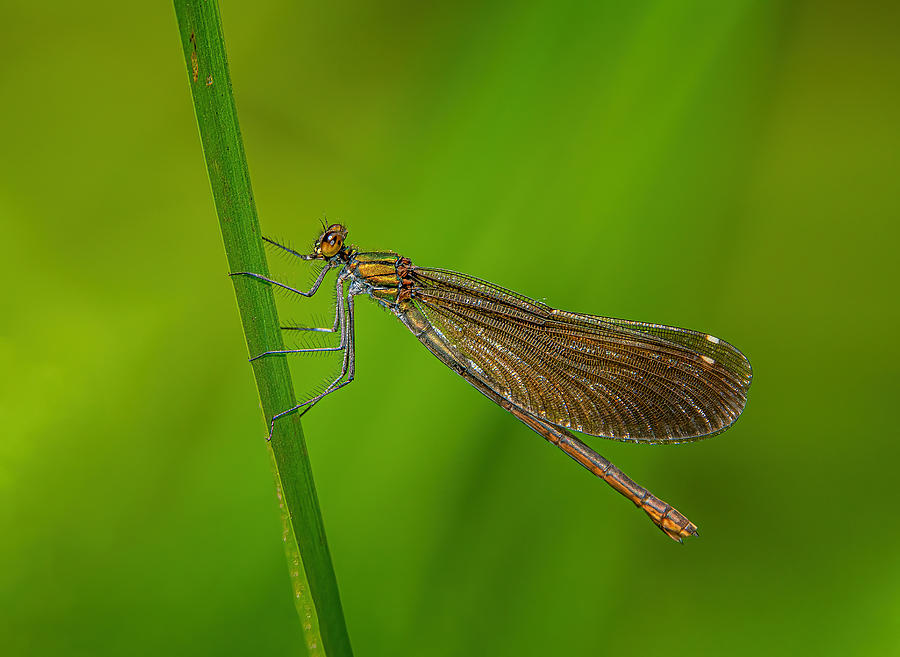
(317, 329)
(334, 326)
(338, 319)
(340, 323)
(348, 363)
(281, 352)
(309, 293)
(333, 329)
(287, 249)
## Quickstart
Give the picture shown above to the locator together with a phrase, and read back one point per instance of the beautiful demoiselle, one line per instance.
(554, 370)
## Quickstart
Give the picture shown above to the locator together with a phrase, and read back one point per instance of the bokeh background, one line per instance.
(726, 166)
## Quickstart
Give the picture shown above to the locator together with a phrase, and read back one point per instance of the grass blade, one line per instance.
(312, 573)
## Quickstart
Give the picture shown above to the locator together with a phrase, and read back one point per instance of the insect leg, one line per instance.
(308, 293)
(333, 329)
(348, 364)
(338, 318)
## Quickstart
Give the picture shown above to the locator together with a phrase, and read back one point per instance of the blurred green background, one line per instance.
(726, 166)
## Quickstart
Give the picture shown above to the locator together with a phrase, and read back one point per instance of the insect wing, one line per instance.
(603, 376)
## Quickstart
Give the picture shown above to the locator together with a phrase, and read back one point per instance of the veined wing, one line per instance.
(602, 376)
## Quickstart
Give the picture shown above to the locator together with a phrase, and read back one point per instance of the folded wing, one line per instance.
(602, 376)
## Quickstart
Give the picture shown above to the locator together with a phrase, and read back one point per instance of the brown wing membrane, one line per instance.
(602, 376)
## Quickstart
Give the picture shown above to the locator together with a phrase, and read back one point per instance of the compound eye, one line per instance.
(331, 243)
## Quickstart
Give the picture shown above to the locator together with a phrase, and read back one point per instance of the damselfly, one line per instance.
(554, 370)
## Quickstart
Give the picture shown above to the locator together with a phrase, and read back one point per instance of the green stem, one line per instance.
(312, 574)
